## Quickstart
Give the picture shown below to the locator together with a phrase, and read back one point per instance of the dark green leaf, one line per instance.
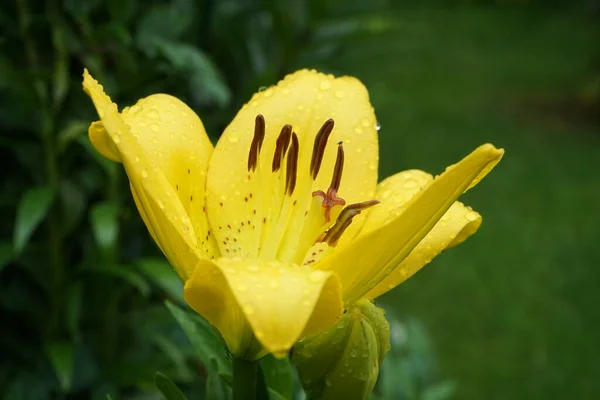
(168, 388)
(440, 391)
(31, 211)
(214, 385)
(175, 353)
(73, 308)
(73, 203)
(125, 272)
(6, 254)
(206, 81)
(205, 341)
(60, 355)
(73, 130)
(273, 395)
(164, 276)
(109, 166)
(278, 374)
(80, 8)
(163, 22)
(105, 225)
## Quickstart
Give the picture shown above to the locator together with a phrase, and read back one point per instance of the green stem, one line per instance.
(244, 379)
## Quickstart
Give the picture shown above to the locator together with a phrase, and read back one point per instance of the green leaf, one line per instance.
(105, 225)
(73, 308)
(164, 276)
(60, 355)
(214, 385)
(31, 211)
(109, 166)
(73, 200)
(273, 395)
(206, 80)
(73, 130)
(205, 341)
(175, 353)
(6, 254)
(163, 22)
(278, 374)
(440, 391)
(168, 388)
(124, 272)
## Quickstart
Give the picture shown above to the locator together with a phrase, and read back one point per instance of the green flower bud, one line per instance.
(343, 361)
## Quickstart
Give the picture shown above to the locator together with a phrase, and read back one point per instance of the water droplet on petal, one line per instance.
(154, 128)
(249, 310)
(268, 92)
(471, 216)
(325, 85)
(410, 184)
(262, 88)
(153, 114)
(339, 94)
(378, 126)
(144, 173)
(234, 138)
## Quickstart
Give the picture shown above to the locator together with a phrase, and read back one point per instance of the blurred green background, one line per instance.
(511, 314)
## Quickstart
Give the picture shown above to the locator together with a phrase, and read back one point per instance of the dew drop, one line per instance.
(268, 92)
(358, 130)
(339, 94)
(325, 85)
(410, 184)
(137, 159)
(144, 173)
(153, 114)
(135, 109)
(471, 216)
(262, 88)
(378, 125)
(234, 138)
(253, 268)
(249, 310)
(154, 128)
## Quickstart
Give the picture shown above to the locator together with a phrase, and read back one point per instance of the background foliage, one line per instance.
(513, 313)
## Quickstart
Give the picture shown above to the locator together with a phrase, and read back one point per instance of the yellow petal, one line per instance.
(457, 224)
(159, 205)
(102, 141)
(279, 301)
(171, 134)
(251, 205)
(366, 261)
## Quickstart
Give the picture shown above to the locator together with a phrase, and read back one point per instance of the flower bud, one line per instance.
(343, 361)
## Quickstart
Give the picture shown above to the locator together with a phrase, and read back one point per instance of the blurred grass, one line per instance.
(514, 311)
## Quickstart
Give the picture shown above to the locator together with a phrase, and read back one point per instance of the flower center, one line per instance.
(298, 225)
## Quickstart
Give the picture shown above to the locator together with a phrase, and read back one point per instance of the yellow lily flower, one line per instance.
(266, 228)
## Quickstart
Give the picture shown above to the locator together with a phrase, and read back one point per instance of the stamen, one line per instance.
(333, 234)
(338, 169)
(257, 142)
(331, 198)
(319, 147)
(281, 146)
(292, 165)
